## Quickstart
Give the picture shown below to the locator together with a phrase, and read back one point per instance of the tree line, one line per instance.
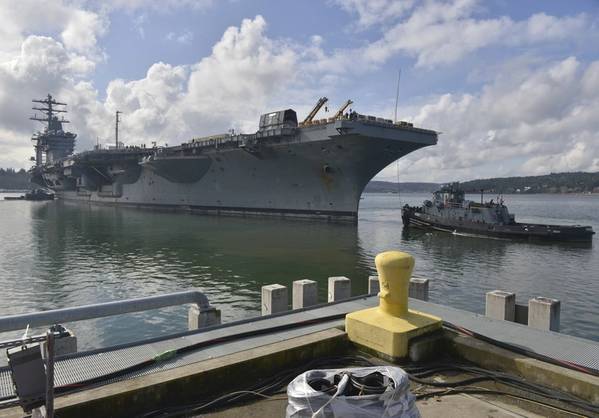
(14, 179)
(577, 182)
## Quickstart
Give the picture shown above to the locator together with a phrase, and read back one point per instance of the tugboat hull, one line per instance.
(570, 233)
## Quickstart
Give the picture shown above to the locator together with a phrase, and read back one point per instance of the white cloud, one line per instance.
(537, 122)
(150, 105)
(371, 12)
(245, 72)
(79, 29)
(82, 30)
(444, 32)
(184, 37)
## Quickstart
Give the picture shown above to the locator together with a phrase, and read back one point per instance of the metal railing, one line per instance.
(100, 310)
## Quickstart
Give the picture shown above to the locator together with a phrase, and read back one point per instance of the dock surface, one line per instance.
(83, 366)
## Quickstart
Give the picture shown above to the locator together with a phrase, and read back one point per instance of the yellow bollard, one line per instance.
(388, 327)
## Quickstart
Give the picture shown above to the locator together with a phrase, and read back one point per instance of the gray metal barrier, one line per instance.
(100, 310)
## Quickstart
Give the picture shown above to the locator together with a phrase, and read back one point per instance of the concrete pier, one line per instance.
(501, 305)
(274, 299)
(374, 286)
(419, 288)
(206, 372)
(339, 288)
(544, 313)
(197, 319)
(304, 293)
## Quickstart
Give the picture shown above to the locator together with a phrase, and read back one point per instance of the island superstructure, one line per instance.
(314, 169)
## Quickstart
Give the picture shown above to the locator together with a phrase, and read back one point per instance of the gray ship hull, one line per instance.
(317, 172)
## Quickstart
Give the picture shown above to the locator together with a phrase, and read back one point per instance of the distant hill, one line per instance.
(577, 182)
(391, 187)
(11, 179)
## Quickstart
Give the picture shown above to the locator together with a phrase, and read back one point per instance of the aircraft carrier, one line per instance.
(317, 168)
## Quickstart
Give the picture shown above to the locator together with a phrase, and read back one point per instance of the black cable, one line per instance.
(416, 374)
(269, 386)
(272, 386)
(475, 391)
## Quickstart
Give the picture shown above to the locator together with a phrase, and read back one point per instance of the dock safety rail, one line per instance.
(100, 310)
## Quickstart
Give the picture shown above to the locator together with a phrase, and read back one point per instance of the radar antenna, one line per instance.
(49, 110)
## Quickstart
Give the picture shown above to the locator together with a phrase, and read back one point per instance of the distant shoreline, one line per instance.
(493, 193)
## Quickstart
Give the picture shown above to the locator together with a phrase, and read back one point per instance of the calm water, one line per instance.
(54, 254)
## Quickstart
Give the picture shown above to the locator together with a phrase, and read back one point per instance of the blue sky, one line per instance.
(513, 86)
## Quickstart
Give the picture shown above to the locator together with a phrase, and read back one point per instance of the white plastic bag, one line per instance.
(306, 402)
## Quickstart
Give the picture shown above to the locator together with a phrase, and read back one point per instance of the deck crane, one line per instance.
(314, 111)
(342, 109)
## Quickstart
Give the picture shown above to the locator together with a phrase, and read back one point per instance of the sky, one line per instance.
(513, 86)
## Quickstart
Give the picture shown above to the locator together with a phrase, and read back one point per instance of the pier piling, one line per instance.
(339, 288)
(544, 313)
(274, 299)
(304, 293)
(197, 318)
(419, 288)
(501, 305)
(374, 286)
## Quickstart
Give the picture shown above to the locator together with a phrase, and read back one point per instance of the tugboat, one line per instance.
(39, 194)
(35, 194)
(449, 211)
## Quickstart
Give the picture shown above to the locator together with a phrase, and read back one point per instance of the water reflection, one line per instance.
(55, 254)
(85, 254)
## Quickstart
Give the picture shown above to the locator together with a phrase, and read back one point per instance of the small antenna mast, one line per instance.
(116, 129)
(397, 96)
(395, 121)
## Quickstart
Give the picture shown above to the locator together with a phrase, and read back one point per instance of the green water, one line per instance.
(55, 254)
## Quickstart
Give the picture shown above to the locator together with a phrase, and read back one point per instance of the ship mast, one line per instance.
(49, 110)
(52, 141)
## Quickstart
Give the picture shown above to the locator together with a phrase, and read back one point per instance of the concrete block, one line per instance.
(197, 319)
(304, 293)
(544, 313)
(64, 345)
(501, 305)
(374, 286)
(339, 288)
(274, 299)
(419, 288)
